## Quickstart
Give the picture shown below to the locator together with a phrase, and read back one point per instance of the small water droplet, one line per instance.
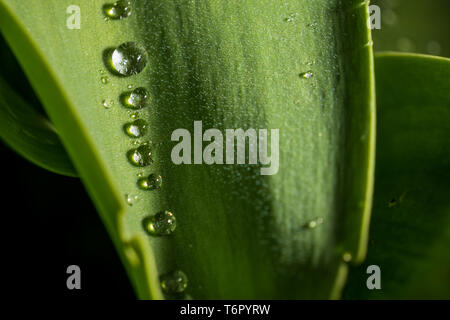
(129, 58)
(434, 48)
(104, 80)
(141, 156)
(306, 75)
(174, 282)
(152, 182)
(118, 10)
(130, 199)
(161, 224)
(107, 103)
(136, 129)
(347, 257)
(314, 223)
(291, 17)
(405, 44)
(134, 115)
(136, 99)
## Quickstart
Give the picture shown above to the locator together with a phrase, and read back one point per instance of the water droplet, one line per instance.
(136, 99)
(306, 75)
(291, 17)
(314, 223)
(161, 224)
(118, 10)
(129, 59)
(136, 129)
(434, 48)
(104, 80)
(141, 156)
(134, 115)
(174, 282)
(152, 182)
(130, 199)
(107, 103)
(405, 44)
(347, 257)
(390, 17)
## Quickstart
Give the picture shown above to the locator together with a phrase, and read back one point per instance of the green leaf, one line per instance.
(30, 134)
(230, 64)
(410, 229)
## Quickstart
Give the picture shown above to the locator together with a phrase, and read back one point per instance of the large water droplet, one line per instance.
(141, 156)
(118, 10)
(129, 58)
(174, 282)
(152, 182)
(161, 224)
(136, 99)
(136, 129)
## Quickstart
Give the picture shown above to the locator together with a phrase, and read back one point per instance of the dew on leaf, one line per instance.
(117, 10)
(151, 182)
(136, 99)
(314, 223)
(104, 80)
(136, 129)
(306, 75)
(129, 59)
(174, 282)
(141, 156)
(130, 199)
(161, 224)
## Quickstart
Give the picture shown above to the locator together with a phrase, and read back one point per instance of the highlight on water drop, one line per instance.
(127, 59)
(174, 282)
(136, 99)
(152, 182)
(141, 156)
(136, 129)
(118, 10)
(161, 224)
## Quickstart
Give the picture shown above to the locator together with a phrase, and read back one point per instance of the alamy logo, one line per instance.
(74, 280)
(374, 280)
(74, 20)
(235, 140)
(374, 17)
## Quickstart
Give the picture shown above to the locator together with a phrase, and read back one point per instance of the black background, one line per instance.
(49, 223)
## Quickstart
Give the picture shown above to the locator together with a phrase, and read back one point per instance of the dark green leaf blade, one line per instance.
(410, 230)
(30, 134)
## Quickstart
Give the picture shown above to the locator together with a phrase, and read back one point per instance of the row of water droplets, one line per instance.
(127, 60)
